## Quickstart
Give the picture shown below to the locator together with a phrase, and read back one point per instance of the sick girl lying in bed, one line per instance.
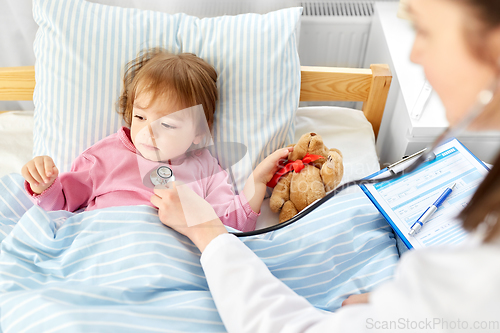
(161, 102)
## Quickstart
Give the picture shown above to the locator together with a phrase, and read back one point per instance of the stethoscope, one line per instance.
(484, 98)
(161, 175)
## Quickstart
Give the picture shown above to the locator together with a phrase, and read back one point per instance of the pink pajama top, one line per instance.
(111, 173)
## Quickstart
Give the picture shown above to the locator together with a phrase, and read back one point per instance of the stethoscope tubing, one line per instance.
(303, 213)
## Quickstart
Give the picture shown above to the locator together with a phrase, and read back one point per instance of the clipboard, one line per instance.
(402, 200)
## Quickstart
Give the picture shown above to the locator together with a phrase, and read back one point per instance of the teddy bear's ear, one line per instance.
(316, 146)
(337, 151)
(300, 149)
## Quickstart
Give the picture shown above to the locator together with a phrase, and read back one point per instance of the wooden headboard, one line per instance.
(370, 86)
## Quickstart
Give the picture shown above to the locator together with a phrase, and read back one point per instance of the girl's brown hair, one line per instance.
(184, 78)
(485, 203)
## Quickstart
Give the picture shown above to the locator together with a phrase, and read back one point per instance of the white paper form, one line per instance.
(404, 199)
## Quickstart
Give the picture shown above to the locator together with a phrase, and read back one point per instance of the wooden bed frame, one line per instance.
(370, 86)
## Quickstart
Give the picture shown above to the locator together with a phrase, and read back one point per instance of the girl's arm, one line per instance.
(233, 210)
(69, 191)
(241, 211)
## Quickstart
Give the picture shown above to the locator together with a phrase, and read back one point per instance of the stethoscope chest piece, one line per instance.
(161, 175)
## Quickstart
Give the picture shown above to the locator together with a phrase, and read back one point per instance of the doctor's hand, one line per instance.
(187, 213)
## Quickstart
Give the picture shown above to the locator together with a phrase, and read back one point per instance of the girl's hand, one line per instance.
(40, 173)
(356, 299)
(265, 171)
(187, 213)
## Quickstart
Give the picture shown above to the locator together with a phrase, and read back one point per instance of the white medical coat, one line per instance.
(440, 289)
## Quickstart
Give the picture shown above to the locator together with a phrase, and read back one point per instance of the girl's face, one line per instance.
(161, 130)
(441, 48)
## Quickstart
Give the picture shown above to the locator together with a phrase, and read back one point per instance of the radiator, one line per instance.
(334, 33)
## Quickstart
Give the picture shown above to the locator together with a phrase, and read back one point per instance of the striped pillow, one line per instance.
(82, 47)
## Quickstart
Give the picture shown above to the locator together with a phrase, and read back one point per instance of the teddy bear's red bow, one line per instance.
(292, 165)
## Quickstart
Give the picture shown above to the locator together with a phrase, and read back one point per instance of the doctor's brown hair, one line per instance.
(184, 78)
(483, 17)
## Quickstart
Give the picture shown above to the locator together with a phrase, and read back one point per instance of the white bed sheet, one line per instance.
(341, 128)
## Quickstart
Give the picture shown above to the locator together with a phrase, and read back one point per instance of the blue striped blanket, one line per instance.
(119, 269)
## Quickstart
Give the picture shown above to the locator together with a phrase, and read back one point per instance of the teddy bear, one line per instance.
(315, 170)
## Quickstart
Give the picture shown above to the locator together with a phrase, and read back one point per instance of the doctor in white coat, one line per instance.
(434, 289)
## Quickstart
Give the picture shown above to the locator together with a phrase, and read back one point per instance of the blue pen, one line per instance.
(429, 211)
